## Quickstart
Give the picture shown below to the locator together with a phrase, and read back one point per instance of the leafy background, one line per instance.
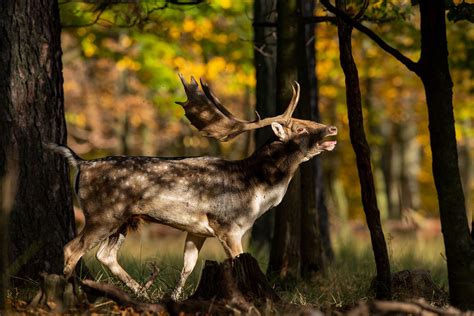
(121, 64)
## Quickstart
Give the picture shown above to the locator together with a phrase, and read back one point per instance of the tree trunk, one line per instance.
(362, 151)
(322, 209)
(314, 220)
(32, 112)
(285, 257)
(410, 165)
(434, 73)
(265, 68)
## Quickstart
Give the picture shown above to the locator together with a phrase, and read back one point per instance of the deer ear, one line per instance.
(279, 131)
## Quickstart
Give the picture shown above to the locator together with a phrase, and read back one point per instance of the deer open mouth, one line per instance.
(327, 145)
(323, 145)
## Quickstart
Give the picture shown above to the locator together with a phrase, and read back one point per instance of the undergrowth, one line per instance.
(346, 281)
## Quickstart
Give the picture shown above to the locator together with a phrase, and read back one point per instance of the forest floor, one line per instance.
(346, 283)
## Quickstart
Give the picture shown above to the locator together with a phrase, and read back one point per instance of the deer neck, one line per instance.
(274, 163)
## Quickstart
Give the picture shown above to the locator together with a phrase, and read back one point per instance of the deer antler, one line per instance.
(209, 116)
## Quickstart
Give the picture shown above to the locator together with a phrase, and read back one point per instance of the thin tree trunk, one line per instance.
(410, 163)
(362, 151)
(265, 68)
(123, 128)
(32, 112)
(265, 58)
(314, 219)
(434, 73)
(285, 257)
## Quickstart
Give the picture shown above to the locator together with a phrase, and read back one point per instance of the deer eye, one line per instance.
(300, 130)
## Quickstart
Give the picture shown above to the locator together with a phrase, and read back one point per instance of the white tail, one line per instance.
(66, 152)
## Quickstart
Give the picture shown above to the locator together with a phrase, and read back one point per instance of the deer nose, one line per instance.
(332, 130)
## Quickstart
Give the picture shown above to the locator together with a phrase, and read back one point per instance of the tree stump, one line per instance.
(58, 295)
(240, 277)
(411, 284)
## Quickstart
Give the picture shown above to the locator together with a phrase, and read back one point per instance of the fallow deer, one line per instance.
(204, 196)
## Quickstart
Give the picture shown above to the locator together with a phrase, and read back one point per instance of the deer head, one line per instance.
(209, 116)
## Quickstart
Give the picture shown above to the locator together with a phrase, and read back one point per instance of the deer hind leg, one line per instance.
(107, 255)
(90, 236)
(192, 246)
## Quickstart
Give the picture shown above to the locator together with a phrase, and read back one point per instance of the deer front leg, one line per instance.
(192, 246)
(232, 244)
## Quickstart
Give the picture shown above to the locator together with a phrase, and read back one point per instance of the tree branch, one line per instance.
(96, 19)
(262, 51)
(410, 64)
(362, 10)
(319, 19)
(106, 4)
(120, 296)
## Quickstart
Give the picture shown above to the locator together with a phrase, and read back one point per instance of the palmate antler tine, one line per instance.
(194, 82)
(207, 114)
(189, 88)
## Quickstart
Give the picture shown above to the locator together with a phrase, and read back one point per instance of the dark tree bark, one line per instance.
(7, 193)
(315, 241)
(436, 78)
(362, 151)
(265, 68)
(32, 112)
(285, 257)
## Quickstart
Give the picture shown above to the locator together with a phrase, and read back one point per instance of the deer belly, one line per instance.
(179, 213)
(197, 224)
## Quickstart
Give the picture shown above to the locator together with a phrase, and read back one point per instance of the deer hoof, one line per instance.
(176, 295)
(143, 294)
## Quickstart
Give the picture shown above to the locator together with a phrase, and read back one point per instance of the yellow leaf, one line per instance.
(189, 25)
(225, 4)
